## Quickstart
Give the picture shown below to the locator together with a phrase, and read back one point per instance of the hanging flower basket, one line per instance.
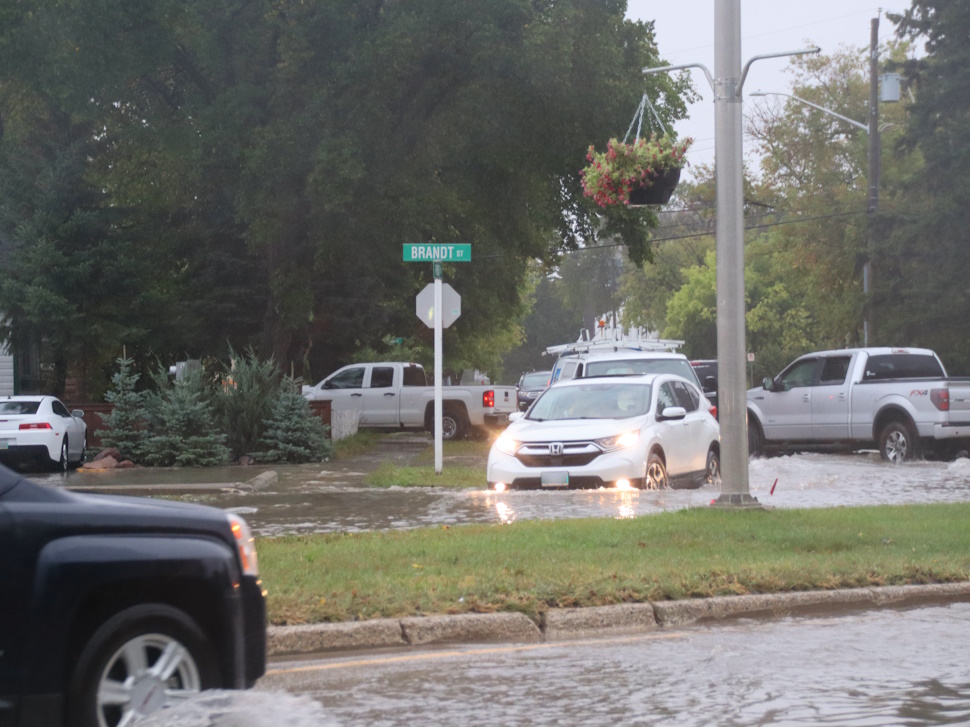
(659, 190)
(644, 172)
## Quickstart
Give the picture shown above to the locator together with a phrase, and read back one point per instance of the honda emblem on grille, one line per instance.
(555, 449)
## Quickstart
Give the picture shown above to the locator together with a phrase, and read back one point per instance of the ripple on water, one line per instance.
(218, 708)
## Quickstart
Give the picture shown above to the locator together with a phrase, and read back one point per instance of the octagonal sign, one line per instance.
(450, 304)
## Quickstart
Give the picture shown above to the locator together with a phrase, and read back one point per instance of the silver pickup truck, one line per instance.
(393, 395)
(899, 399)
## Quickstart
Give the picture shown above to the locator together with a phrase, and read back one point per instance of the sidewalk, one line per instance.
(569, 623)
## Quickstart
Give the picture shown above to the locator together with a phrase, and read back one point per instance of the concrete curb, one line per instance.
(568, 623)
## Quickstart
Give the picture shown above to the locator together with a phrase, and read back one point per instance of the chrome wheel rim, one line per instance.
(656, 478)
(897, 446)
(713, 476)
(147, 673)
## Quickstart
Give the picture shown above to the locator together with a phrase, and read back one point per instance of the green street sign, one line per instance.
(433, 252)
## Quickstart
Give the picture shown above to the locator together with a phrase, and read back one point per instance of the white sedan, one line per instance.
(649, 432)
(40, 428)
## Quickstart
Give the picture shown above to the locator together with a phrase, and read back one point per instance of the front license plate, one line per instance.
(555, 479)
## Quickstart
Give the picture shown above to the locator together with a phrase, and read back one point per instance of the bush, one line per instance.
(182, 428)
(126, 422)
(292, 432)
(246, 399)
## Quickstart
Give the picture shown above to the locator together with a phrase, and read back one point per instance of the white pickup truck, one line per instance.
(898, 398)
(397, 395)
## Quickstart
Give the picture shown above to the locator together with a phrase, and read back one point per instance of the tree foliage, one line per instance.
(177, 174)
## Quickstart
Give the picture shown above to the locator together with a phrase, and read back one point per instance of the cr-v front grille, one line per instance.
(557, 454)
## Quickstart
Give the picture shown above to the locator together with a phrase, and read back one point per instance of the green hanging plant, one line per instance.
(612, 175)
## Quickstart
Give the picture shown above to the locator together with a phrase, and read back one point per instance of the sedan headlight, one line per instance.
(507, 445)
(620, 441)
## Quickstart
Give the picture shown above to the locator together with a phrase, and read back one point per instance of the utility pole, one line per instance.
(729, 233)
(875, 167)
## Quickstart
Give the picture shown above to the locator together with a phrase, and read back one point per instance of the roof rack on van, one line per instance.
(614, 340)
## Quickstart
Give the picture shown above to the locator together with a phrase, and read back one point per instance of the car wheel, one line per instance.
(712, 473)
(897, 443)
(656, 476)
(60, 465)
(143, 659)
(452, 426)
(756, 440)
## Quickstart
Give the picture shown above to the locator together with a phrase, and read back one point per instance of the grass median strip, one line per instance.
(534, 565)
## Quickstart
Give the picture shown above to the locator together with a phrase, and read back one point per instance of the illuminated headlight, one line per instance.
(620, 441)
(507, 445)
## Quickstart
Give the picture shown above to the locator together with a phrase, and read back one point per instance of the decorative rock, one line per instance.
(245, 460)
(109, 452)
(126, 464)
(104, 463)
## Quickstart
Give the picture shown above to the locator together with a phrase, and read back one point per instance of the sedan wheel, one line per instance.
(61, 465)
(656, 477)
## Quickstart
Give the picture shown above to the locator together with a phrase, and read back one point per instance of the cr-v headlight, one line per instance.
(507, 445)
(620, 441)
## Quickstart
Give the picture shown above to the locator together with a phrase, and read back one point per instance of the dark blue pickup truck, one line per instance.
(112, 607)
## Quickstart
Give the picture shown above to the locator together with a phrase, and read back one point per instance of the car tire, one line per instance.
(174, 661)
(897, 443)
(655, 476)
(756, 439)
(452, 426)
(712, 472)
(61, 464)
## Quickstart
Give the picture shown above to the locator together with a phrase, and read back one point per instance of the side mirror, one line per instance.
(326, 385)
(673, 412)
(515, 416)
(767, 383)
(77, 413)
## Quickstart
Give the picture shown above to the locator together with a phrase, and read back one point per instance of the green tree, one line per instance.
(125, 425)
(292, 433)
(923, 263)
(182, 430)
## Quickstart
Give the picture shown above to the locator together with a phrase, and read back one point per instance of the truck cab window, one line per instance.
(352, 378)
(801, 373)
(381, 377)
(834, 370)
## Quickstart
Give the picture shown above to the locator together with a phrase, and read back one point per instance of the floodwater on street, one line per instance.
(881, 667)
(322, 498)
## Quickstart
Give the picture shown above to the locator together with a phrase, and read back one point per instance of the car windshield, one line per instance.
(592, 401)
(535, 380)
(19, 407)
(634, 366)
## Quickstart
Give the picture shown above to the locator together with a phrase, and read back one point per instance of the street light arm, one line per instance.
(710, 78)
(858, 124)
(744, 73)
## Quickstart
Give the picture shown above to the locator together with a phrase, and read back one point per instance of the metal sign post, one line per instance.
(437, 254)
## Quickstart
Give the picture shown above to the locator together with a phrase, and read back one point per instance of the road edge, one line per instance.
(567, 623)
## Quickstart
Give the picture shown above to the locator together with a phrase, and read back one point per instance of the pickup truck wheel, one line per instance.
(140, 660)
(452, 426)
(897, 443)
(656, 473)
(756, 440)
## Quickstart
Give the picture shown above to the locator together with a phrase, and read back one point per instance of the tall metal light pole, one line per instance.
(727, 83)
(875, 163)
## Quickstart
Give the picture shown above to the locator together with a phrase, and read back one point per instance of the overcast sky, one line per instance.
(685, 34)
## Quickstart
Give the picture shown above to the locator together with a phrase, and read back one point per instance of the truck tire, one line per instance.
(138, 661)
(756, 440)
(897, 443)
(452, 425)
